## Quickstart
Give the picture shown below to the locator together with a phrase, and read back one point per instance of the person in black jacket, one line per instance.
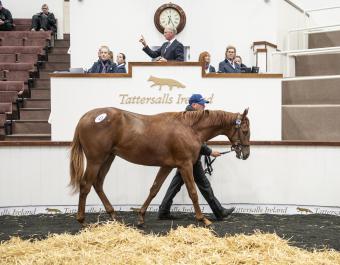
(121, 61)
(171, 50)
(104, 64)
(238, 60)
(44, 20)
(196, 102)
(6, 20)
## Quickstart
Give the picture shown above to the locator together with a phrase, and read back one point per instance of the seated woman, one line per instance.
(104, 64)
(238, 60)
(120, 68)
(110, 56)
(205, 59)
(243, 67)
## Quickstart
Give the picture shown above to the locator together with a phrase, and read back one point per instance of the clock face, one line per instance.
(169, 17)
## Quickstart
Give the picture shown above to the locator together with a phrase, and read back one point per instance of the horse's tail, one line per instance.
(76, 162)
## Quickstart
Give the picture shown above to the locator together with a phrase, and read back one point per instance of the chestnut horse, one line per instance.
(168, 140)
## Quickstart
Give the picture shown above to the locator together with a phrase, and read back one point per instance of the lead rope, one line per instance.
(208, 161)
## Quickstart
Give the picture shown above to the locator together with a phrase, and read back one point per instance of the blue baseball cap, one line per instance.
(197, 98)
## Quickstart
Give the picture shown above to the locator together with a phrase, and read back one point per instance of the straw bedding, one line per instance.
(114, 243)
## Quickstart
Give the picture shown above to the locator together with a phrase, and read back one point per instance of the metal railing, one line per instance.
(321, 9)
(301, 39)
(291, 54)
(302, 33)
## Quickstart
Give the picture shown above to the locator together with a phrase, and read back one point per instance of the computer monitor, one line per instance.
(255, 69)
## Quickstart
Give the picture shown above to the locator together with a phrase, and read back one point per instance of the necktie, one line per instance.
(167, 46)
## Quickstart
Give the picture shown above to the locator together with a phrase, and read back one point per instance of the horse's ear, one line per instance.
(245, 112)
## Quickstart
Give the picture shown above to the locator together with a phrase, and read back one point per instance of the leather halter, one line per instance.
(237, 146)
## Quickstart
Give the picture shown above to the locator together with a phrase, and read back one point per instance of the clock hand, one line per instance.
(172, 22)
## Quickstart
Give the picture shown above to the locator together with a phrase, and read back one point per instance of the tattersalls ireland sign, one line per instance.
(174, 95)
(155, 88)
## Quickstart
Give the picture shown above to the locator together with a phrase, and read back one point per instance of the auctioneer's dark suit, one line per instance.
(172, 52)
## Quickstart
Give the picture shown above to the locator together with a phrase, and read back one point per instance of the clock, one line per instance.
(169, 15)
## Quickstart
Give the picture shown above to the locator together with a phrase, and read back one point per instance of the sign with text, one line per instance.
(155, 89)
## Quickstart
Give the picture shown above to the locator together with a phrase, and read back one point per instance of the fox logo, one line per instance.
(165, 82)
(303, 210)
(51, 210)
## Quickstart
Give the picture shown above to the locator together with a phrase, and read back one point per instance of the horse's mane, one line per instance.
(211, 117)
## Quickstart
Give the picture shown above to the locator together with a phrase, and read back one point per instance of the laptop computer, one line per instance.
(77, 70)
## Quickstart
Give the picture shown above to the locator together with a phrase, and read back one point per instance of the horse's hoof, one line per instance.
(113, 216)
(141, 224)
(84, 225)
(206, 222)
(141, 220)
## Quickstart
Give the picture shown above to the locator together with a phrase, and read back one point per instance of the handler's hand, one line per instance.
(215, 153)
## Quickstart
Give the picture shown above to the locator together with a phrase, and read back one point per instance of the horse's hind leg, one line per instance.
(157, 184)
(98, 186)
(88, 179)
(187, 175)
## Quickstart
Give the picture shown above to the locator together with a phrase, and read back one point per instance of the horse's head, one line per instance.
(239, 135)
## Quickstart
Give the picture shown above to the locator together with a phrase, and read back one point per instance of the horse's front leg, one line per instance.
(188, 178)
(157, 184)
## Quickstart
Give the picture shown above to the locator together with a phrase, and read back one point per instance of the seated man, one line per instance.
(6, 20)
(171, 50)
(196, 102)
(228, 65)
(104, 64)
(44, 20)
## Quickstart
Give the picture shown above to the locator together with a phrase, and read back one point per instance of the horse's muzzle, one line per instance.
(242, 151)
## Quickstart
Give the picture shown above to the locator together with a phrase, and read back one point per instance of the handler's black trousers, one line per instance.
(41, 22)
(203, 185)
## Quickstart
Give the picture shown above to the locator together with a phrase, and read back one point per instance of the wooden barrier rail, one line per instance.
(166, 64)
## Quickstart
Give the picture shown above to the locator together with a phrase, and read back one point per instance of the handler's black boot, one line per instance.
(219, 211)
(225, 213)
(166, 216)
